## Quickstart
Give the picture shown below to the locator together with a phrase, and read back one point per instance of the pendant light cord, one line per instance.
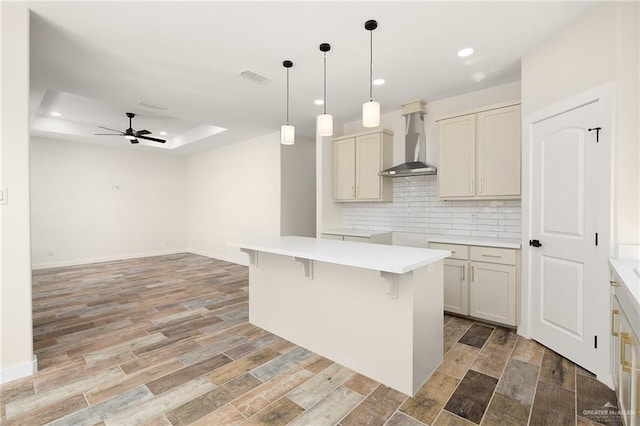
(324, 95)
(371, 66)
(287, 96)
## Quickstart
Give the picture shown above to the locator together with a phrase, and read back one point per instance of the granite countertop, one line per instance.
(475, 241)
(366, 233)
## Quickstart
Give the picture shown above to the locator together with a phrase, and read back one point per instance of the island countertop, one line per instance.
(379, 257)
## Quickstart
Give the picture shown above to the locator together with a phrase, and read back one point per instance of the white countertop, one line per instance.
(475, 241)
(627, 273)
(366, 233)
(379, 257)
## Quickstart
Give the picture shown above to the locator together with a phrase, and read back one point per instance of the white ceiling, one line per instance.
(186, 57)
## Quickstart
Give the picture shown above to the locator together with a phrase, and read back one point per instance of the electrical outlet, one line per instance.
(49, 252)
(474, 217)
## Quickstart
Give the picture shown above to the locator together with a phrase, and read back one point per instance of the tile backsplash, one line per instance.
(416, 208)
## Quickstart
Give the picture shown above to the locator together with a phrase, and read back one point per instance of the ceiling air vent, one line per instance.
(149, 105)
(255, 77)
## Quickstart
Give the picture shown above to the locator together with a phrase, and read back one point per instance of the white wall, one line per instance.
(16, 347)
(93, 203)
(233, 195)
(600, 47)
(298, 188)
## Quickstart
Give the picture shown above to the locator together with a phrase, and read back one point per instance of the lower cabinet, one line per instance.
(625, 364)
(481, 282)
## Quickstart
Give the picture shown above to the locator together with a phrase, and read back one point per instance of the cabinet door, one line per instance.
(498, 152)
(456, 156)
(635, 393)
(368, 164)
(492, 292)
(625, 372)
(456, 291)
(344, 162)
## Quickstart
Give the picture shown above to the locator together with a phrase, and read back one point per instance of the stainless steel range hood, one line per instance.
(415, 145)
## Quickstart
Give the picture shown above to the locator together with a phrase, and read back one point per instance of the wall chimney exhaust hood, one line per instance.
(415, 144)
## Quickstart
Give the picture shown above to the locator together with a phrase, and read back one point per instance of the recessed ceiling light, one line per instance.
(163, 133)
(479, 76)
(318, 102)
(56, 114)
(378, 81)
(467, 51)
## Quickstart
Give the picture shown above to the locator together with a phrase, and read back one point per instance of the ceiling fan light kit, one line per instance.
(324, 122)
(287, 131)
(370, 109)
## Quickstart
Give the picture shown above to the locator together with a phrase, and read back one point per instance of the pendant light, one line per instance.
(324, 122)
(287, 131)
(371, 109)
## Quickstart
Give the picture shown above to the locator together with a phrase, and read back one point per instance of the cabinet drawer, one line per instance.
(457, 251)
(356, 239)
(493, 255)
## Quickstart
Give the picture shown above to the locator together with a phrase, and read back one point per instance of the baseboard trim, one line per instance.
(240, 260)
(19, 371)
(106, 259)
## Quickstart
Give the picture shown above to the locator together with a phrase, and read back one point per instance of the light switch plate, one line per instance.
(4, 196)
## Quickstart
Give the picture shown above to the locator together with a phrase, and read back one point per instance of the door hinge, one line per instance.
(595, 342)
(597, 129)
(596, 238)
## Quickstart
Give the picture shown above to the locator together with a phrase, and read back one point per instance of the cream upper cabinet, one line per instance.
(357, 159)
(457, 156)
(479, 155)
(344, 169)
(498, 153)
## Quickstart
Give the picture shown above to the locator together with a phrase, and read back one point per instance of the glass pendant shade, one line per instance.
(324, 124)
(287, 134)
(287, 131)
(370, 114)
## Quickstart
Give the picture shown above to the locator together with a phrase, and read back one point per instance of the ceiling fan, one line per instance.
(132, 135)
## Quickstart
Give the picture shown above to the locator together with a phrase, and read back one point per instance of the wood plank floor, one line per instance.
(166, 341)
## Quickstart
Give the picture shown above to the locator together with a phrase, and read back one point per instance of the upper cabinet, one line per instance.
(357, 159)
(479, 155)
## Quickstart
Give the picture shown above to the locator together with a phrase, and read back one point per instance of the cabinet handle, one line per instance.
(358, 191)
(462, 271)
(614, 284)
(353, 192)
(625, 340)
(473, 270)
(492, 255)
(614, 312)
(480, 186)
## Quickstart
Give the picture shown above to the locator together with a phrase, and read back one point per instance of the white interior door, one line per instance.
(564, 172)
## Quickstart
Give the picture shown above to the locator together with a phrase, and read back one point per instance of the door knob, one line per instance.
(535, 243)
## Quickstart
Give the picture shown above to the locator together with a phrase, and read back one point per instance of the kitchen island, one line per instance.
(376, 309)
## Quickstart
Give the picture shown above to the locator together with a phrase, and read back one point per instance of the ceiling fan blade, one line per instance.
(108, 134)
(142, 132)
(114, 130)
(135, 141)
(152, 139)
